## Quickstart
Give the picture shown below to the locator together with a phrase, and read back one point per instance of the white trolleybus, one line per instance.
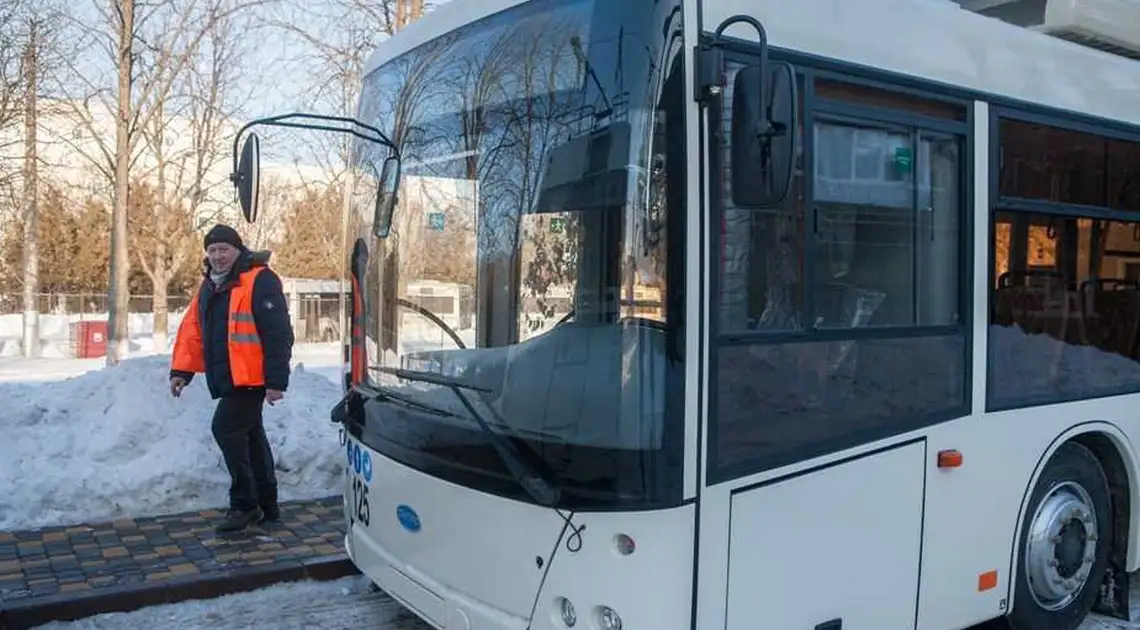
(764, 315)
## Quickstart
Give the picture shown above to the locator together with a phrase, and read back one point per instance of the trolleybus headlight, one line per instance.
(608, 618)
(566, 609)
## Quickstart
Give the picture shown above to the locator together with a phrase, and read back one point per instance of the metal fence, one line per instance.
(316, 318)
(93, 304)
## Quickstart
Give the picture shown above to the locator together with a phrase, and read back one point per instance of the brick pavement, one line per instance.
(70, 572)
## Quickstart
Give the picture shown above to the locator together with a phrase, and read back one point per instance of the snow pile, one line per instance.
(806, 399)
(1041, 367)
(346, 604)
(113, 443)
(813, 392)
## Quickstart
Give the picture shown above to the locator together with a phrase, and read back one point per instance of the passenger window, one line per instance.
(840, 311)
(1066, 325)
(1052, 164)
(887, 215)
(1065, 298)
(760, 292)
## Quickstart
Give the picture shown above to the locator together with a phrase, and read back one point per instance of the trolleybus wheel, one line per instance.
(1064, 543)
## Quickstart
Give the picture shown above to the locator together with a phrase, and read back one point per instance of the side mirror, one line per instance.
(245, 178)
(387, 195)
(765, 107)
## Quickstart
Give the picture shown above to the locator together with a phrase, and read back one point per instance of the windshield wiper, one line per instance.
(542, 491)
(430, 377)
(411, 402)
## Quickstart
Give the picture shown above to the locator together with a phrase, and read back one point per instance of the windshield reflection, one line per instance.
(529, 260)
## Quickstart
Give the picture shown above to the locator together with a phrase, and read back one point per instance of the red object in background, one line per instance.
(88, 340)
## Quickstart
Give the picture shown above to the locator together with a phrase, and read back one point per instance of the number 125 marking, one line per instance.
(360, 509)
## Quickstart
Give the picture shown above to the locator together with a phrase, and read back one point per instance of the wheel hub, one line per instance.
(1061, 547)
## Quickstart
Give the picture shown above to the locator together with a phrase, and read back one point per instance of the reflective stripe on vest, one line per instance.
(247, 362)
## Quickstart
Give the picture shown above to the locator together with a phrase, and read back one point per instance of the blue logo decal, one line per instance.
(366, 466)
(408, 518)
(359, 460)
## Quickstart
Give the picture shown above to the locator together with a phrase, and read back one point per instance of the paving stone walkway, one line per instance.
(52, 566)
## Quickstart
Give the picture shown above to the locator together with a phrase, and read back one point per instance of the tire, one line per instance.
(1071, 500)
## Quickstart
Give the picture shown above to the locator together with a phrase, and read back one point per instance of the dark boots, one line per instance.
(237, 520)
(267, 498)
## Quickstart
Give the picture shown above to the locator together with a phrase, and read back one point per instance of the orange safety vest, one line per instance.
(247, 361)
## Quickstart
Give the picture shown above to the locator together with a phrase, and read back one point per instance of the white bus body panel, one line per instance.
(473, 565)
(973, 513)
(842, 543)
(472, 548)
(652, 588)
(938, 41)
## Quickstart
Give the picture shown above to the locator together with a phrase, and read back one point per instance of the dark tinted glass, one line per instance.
(1048, 163)
(1064, 309)
(786, 402)
(840, 316)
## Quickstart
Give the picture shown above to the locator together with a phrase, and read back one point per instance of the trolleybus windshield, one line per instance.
(534, 256)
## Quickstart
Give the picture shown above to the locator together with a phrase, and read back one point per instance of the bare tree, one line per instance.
(269, 229)
(31, 263)
(150, 47)
(118, 344)
(186, 143)
(340, 36)
(12, 45)
(26, 27)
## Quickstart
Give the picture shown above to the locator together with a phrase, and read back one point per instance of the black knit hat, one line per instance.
(221, 233)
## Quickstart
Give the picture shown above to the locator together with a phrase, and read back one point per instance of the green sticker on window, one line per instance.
(557, 225)
(903, 159)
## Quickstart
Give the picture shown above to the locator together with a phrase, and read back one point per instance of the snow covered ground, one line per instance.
(341, 605)
(83, 442)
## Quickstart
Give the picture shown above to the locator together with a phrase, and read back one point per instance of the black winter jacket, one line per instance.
(270, 314)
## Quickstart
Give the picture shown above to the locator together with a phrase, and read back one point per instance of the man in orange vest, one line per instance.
(238, 334)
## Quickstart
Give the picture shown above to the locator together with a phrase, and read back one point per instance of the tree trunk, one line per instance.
(31, 209)
(159, 305)
(160, 272)
(118, 343)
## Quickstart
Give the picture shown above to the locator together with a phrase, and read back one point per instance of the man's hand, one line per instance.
(273, 395)
(176, 385)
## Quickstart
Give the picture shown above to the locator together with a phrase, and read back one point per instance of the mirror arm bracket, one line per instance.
(709, 54)
(283, 120)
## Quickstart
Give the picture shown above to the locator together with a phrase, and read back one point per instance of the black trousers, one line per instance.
(240, 432)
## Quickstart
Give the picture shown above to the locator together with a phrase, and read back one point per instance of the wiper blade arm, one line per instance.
(411, 402)
(430, 377)
(542, 491)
